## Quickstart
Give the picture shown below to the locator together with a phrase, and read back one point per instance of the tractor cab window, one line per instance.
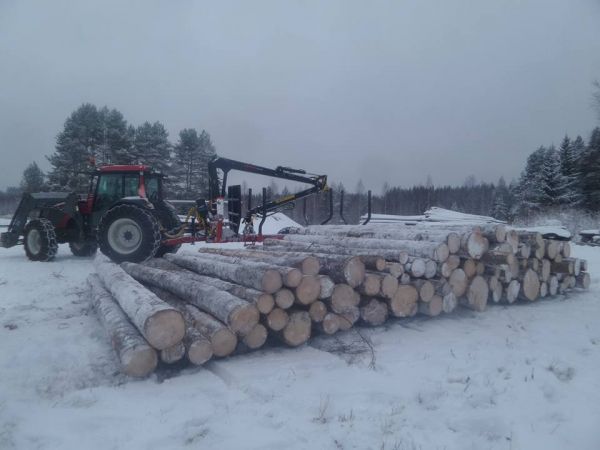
(152, 187)
(110, 189)
(130, 185)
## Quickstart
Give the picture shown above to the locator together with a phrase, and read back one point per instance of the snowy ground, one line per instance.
(519, 377)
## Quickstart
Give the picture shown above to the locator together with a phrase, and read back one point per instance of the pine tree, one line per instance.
(33, 179)
(500, 209)
(88, 134)
(190, 163)
(590, 173)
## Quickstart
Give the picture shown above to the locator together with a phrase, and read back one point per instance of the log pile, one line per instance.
(323, 279)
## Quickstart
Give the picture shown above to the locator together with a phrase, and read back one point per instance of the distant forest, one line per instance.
(554, 182)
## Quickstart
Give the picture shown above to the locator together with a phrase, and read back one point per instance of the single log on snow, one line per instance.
(171, 355)
(317, 311)
(264, 302)
(309, 265)
(255, 275)
(161, 324)
(404, 301)
(238, 314)
(374, 312)
(433, 307)
(136, 357)
(277, 319)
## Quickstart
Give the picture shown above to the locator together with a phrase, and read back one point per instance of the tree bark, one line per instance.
(160, 324)
(240, 315)
(136, 357)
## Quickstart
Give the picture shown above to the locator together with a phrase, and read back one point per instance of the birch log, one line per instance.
(160, 324)
(136, 357)
(308, 264)
(262, 278)
(240, 315)
(223, 341)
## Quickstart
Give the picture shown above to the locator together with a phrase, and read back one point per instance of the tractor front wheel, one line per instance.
(40, 240)
(128, 233)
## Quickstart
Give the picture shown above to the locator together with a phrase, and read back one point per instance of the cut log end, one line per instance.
(311, 265)
(354, 271)
(297, 331)
(284, 298)
(530, 285)
(256, 338)
(330, 324)
(317, 311)
(265, 303)
(477, 294)
(200, 351)
(171, 355)
(374, 313)
(292, 278)
(458, 282)
(277, 319)
(164, 329)
(433, 307)
(243, 319)
(308, 290)
(271, 281)
(139, 362)
(404, 301)
(223, 342)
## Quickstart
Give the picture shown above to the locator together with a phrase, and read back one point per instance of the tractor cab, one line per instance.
(110, 185)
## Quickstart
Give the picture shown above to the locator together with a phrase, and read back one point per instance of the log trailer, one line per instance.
(126, 215)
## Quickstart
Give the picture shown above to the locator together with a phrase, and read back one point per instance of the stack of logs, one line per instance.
(321, 280)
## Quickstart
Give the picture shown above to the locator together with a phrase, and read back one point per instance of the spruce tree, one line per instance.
(151, 146)
(552, 184)
(33, 179)
(590, 173)
(530, 189)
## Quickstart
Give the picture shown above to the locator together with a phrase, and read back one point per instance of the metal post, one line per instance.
(330, 207)
(369, 208)
(304, 212)
(264, 210)
(342, 207)
(249, 199)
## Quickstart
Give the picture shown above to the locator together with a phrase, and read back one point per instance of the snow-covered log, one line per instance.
(136, 357)
(308, 264)
(173, 354)
(432, 250)
(160, 324)
(240, 315)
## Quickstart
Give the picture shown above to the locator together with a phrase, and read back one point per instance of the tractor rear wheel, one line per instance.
(40, 240)
(128, 233)
(83, 248)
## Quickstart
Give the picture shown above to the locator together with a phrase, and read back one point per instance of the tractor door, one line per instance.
(109, 189)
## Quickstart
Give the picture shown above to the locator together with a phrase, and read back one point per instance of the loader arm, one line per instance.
(218, 188)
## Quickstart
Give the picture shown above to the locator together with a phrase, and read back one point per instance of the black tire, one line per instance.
(170, 222)
(39, 240)
(128, 233)
(83, 248)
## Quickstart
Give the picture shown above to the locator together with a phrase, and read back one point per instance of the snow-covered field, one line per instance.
(518, 377)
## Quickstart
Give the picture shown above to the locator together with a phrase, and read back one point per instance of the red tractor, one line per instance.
(127, 217)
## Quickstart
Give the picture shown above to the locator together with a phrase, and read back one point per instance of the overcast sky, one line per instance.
(383, 91)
